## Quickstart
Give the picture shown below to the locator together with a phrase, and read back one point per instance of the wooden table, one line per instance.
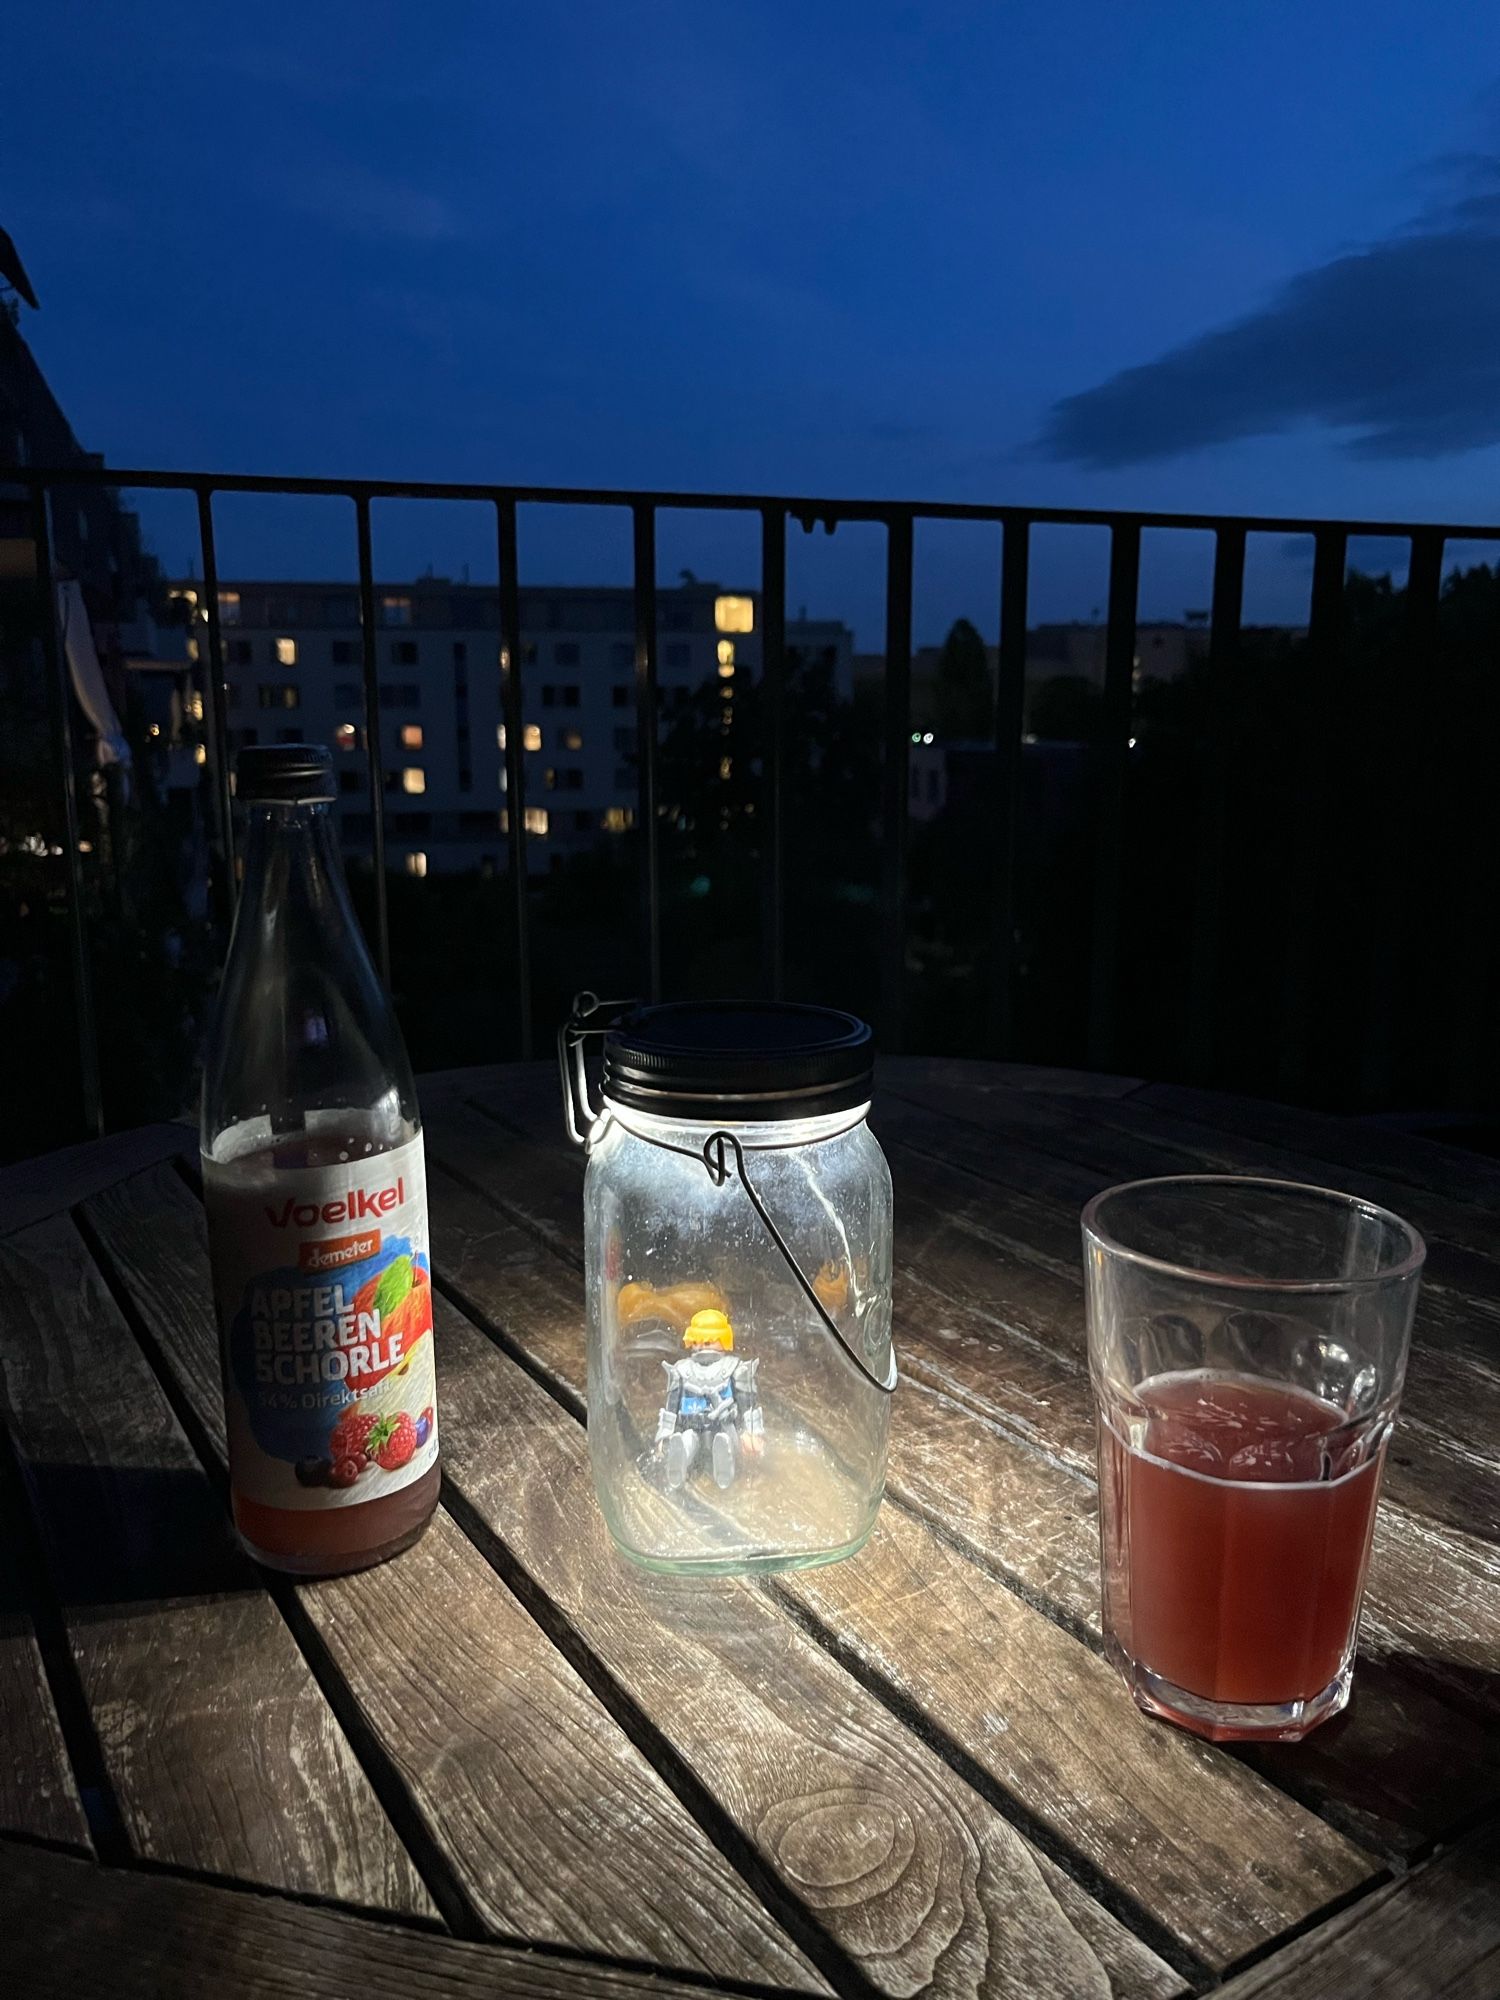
(508, 1763)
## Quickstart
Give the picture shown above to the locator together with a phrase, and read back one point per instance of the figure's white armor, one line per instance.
(711, 1396)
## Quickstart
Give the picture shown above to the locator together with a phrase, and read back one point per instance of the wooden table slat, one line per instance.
(1433, 1936)
(221, 1751)
(38, 1795)
(1207, 1850)
(556, 1827)
(109, 1934)
(1429, 1168)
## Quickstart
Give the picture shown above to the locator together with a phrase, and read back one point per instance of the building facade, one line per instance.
(293, 667)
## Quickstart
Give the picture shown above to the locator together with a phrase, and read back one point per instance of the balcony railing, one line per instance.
(776, 514)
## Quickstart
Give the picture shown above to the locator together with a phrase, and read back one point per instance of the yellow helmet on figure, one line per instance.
(709, 1329)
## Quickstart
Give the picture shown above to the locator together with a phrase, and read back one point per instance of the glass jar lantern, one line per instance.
(737, 1215)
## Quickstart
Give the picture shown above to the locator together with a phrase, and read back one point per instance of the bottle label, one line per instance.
(323, 1282)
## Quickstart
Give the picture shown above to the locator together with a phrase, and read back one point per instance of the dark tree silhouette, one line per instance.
(962, 699)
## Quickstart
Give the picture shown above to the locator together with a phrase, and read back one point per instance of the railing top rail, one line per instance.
(808, 510)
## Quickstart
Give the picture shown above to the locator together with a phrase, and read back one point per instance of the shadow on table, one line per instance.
(114, 1535)
(1401, 1766)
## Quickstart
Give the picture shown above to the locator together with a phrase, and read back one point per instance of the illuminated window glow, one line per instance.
(726, 652)
(618, 819)
(572, 739)
(395, 611)
(411, 735)
(346, 736)
(286, 652)
(536, 820)
(500, 736)
(734, 614)
(195, 707)
(726, 673)
(532, 736)
(725, 766)
(229, 607)
(413, 779)
(200, 753)
(416, 864)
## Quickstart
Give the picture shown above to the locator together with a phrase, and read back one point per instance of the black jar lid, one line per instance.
(285, 774)
(738, 1060)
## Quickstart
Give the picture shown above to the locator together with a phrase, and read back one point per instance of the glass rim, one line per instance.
(1415, 1258)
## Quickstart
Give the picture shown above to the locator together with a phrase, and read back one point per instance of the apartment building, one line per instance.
(293, 665)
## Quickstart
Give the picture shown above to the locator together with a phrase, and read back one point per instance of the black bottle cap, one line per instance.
(285, 774)
(726, 1060)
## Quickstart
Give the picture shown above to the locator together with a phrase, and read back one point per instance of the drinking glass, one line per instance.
(1247, 1346)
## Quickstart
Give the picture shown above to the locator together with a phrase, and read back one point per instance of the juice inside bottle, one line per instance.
(1236, 1526)
(316, 1196)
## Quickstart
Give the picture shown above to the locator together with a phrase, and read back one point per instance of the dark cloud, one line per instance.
(1397, 344)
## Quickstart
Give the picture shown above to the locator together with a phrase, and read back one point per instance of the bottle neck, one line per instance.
(293, 867)
(304, 1028)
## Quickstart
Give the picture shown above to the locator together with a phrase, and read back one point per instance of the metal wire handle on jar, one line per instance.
(592, 1016)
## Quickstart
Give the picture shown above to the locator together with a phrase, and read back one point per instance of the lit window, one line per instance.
(572, 739)
(725, 767)
(286, 652)
(413, 779)
(726, 672)
(536, 819)
(229, 607)
(195, 707)
(726, 694)
(346, 736)
(200, 753)
(411, 735)
(726, 652)
(397, 611)
(416, 864)
(532, 737)
(618, 818)
(734, 614)
(500, 736)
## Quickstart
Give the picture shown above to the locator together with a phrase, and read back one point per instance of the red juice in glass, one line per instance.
(1236, 1526)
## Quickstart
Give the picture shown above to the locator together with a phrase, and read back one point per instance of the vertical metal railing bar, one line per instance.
(1410, 899)
(773, 684)
(59, 698)
(1010, 723)
(644, 522)
(896, 779)
(1114, 764)
(1304, 945)
(215, 704)
(374, 761)
(511, 707)
(1204, 948)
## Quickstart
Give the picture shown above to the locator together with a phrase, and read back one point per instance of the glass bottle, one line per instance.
(317, 1207)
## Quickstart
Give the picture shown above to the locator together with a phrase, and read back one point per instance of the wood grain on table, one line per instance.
(509, 1762)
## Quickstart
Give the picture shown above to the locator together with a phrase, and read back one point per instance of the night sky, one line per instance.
(1158, 255)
